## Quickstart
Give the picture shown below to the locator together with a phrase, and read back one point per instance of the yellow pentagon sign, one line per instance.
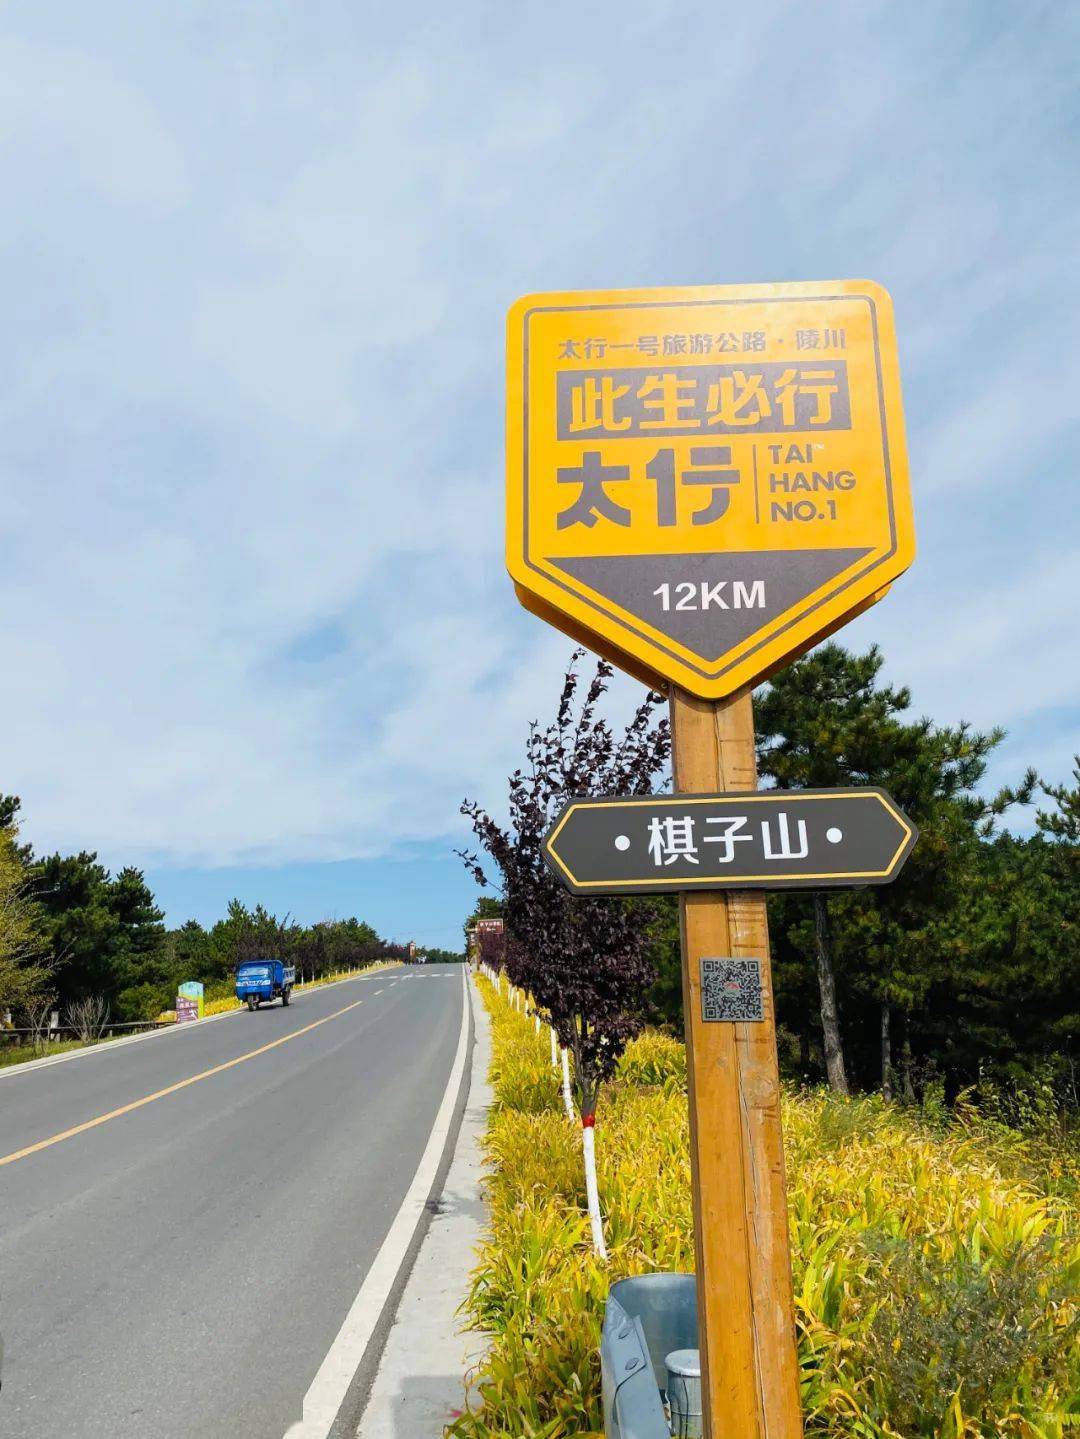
(702, 482)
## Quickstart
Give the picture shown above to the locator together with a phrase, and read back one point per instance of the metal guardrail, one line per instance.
(645, 1319)
(17, 1035)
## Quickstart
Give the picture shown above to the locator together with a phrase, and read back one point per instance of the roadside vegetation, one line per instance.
(10, 1055)
(936, 1248)
(926, 1035)
(967, 967)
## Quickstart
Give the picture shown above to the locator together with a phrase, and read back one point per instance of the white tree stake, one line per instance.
(588, 1145)
(568, 1101)
(554, 1047)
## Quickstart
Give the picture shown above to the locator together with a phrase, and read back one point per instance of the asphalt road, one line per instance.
(180, 1270)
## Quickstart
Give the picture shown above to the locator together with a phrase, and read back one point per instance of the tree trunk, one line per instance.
(905, 1065)
(588, 1088)
(588, 1146)
(886, 1051)
(567, 1097)
(804, 1052)
(830, 1014)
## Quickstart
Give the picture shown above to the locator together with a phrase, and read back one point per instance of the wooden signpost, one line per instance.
(703, 483)
(765, 839)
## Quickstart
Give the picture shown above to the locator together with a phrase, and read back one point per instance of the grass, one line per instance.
(10, 1054)
(936, 1256)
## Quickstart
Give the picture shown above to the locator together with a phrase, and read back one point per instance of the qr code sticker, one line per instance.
(731, 989)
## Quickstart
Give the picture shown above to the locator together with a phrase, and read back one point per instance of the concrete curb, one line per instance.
(419, 1384)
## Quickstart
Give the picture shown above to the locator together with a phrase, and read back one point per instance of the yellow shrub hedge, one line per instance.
(936, 1261)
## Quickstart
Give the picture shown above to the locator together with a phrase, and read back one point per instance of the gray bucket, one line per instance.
(684, 1393)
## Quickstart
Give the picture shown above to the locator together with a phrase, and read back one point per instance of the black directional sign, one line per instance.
(766, 839)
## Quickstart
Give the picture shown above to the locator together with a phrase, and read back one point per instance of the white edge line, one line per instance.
(328, 1389)
(108, 1046)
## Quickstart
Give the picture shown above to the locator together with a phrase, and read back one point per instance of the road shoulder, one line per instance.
(419, 1384)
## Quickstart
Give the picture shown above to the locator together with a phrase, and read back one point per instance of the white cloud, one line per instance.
(78, 119)
(255, 271)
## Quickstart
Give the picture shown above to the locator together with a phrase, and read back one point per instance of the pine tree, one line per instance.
(828, 721)
(25, 971)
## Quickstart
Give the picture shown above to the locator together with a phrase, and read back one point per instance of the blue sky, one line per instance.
(256, 633)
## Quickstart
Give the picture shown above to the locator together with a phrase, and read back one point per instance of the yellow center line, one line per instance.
(171, 1089)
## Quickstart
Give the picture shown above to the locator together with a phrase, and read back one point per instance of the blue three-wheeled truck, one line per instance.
(264, 979)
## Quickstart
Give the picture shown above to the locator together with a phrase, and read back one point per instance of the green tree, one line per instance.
(660, 916)
(823, 722)
(828, 721)
(226, 938)
(910, 943)
(187, 952)
(1062, 823)
(25, 971)
(487, 907)
(1059, 830)
(71, 892)
(434, 955)
(10, 805)
(139, 922)
(1012, 1006)
(1009, 1004)
(107, 934)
